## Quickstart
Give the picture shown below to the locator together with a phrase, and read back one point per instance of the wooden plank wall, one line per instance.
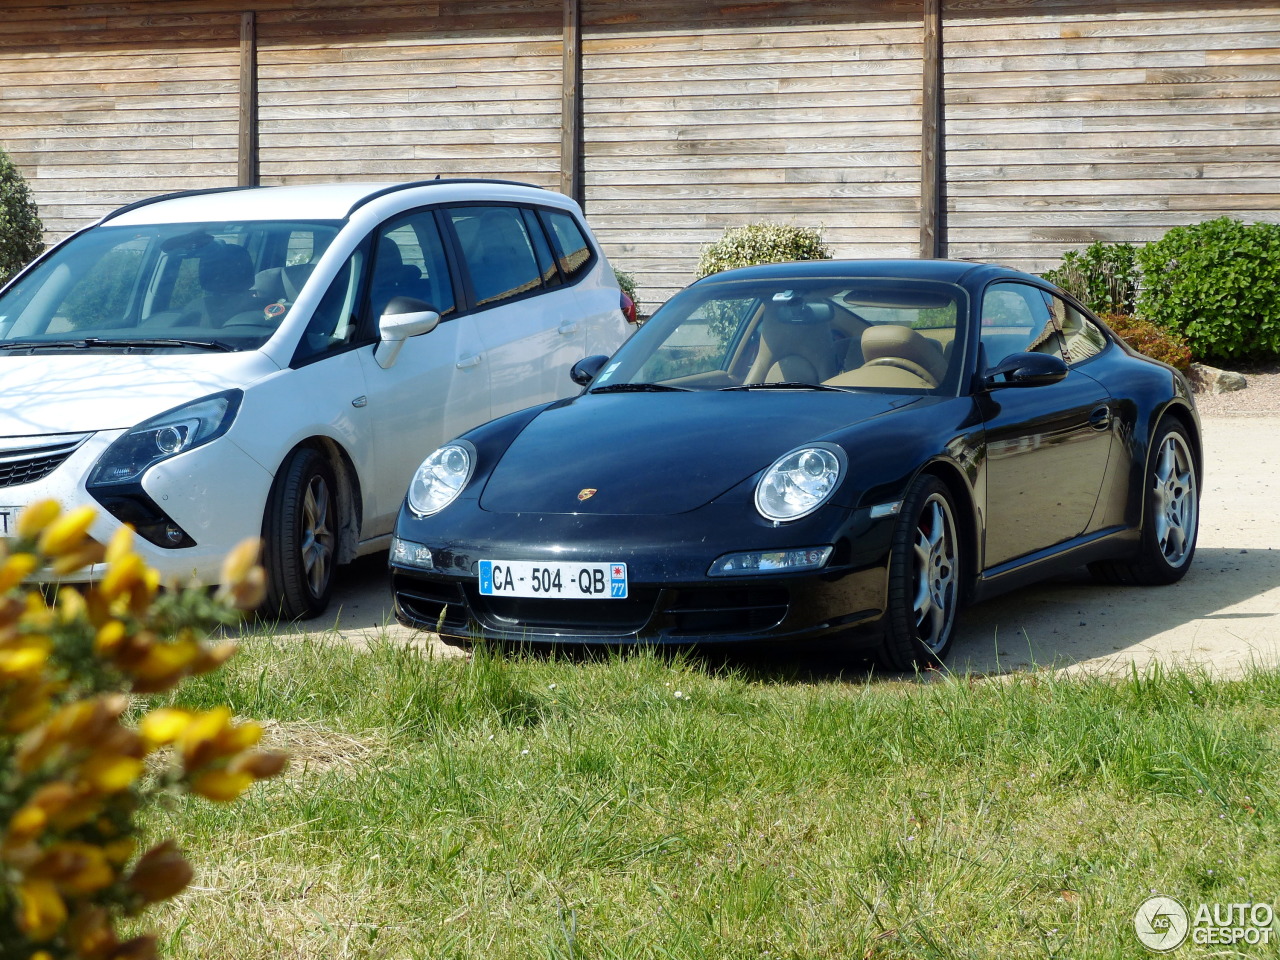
(101, 106)
(1066, 121)
(700, 115)
(365, 89)
(1069, 122)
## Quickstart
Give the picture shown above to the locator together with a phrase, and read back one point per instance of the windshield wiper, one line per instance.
(162, 342)
(639, 388)
(786, 385)
(96, 343)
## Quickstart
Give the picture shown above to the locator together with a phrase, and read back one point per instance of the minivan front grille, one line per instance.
(28, 459)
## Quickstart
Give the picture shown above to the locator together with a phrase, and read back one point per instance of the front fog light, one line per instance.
(756, 562)
(406, 553)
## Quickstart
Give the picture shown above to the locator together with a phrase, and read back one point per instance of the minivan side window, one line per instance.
(334, 324)
(409, 261)
(498, 252)
(572, 250)
(546, 263)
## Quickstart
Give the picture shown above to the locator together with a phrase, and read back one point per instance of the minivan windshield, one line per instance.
(164, 287)
(883, 334)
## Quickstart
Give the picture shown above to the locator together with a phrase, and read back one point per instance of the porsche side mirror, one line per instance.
(1026, 370)
(586, 369)
(403, 318)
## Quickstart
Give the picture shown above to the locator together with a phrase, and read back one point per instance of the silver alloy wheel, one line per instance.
(1176, 512)
(935, 573)
(317, 538)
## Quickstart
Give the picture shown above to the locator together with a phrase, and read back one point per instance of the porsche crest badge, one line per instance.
(586, 493)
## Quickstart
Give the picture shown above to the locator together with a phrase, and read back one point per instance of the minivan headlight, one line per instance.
(172, 432)
(440, 478)
(799, 483)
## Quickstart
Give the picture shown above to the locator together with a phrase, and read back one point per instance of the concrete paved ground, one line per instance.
(1224, 614)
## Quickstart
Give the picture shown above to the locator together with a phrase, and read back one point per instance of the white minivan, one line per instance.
(276, 361)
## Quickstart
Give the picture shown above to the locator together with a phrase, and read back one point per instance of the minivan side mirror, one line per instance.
(586, 369)
(403, 318)
(1026, 370)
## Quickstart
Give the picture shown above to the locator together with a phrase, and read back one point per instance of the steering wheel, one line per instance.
(902, 363)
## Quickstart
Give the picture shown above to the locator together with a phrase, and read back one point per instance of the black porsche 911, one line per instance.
(812, 448)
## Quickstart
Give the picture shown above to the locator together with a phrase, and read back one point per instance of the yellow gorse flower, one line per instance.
(243, 582)
(33, 520)
(16, 569)
(41, 910)
(67, 533)
(77, 765)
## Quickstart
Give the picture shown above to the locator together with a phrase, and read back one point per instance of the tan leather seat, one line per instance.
(798, 345)
(891, 345)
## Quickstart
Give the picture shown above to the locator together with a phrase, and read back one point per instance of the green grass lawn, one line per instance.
(641, 806)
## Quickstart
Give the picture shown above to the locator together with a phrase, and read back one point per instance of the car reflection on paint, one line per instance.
(811, 449)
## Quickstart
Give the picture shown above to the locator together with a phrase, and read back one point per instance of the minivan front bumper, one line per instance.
(215, 493)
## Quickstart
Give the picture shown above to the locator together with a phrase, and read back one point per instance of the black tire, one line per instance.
(924, 579)
(1170, 514)
(300, 537)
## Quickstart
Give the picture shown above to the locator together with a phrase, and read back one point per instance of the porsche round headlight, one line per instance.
(798, 484)
(440, 479)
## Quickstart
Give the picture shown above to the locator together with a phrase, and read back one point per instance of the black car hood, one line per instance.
(661, 453)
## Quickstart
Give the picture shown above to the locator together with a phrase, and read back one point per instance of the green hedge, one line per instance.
(1104, 276)
(21, 233)
(1218, 284)
(758, 243)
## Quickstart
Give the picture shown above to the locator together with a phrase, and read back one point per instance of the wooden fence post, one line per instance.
(932, 215)
(247, 174)
(571, 104)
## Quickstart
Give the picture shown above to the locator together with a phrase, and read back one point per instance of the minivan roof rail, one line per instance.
(168, 196)
(437, 182)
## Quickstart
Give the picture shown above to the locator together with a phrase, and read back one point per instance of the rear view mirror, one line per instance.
(404, 317)
(1026, 370)
(586, 369)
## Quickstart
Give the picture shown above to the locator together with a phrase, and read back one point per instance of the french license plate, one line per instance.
(553, 581)
(9, 520)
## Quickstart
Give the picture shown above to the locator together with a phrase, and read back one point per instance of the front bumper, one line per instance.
(216, 493)
(671, 599)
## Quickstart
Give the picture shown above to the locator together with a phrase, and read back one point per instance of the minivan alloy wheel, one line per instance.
(300, 536)
(317, 536)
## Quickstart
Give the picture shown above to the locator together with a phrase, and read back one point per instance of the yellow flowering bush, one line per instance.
(81, 756)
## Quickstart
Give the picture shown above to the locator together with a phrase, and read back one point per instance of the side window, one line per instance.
(335, 323)
(409, 261)
(546, 264)
(1015, 319)
(302, 246)
(1080, 335)
(498, 252)
(572, 250)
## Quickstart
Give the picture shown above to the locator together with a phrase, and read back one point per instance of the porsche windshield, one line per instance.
(889, 334)
(188, 286)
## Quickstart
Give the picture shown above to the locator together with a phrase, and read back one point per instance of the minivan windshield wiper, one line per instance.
(96, 343)
(786, 385)
(639, 388)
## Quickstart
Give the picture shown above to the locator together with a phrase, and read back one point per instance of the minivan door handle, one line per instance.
(470, 360)
(569, 326)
